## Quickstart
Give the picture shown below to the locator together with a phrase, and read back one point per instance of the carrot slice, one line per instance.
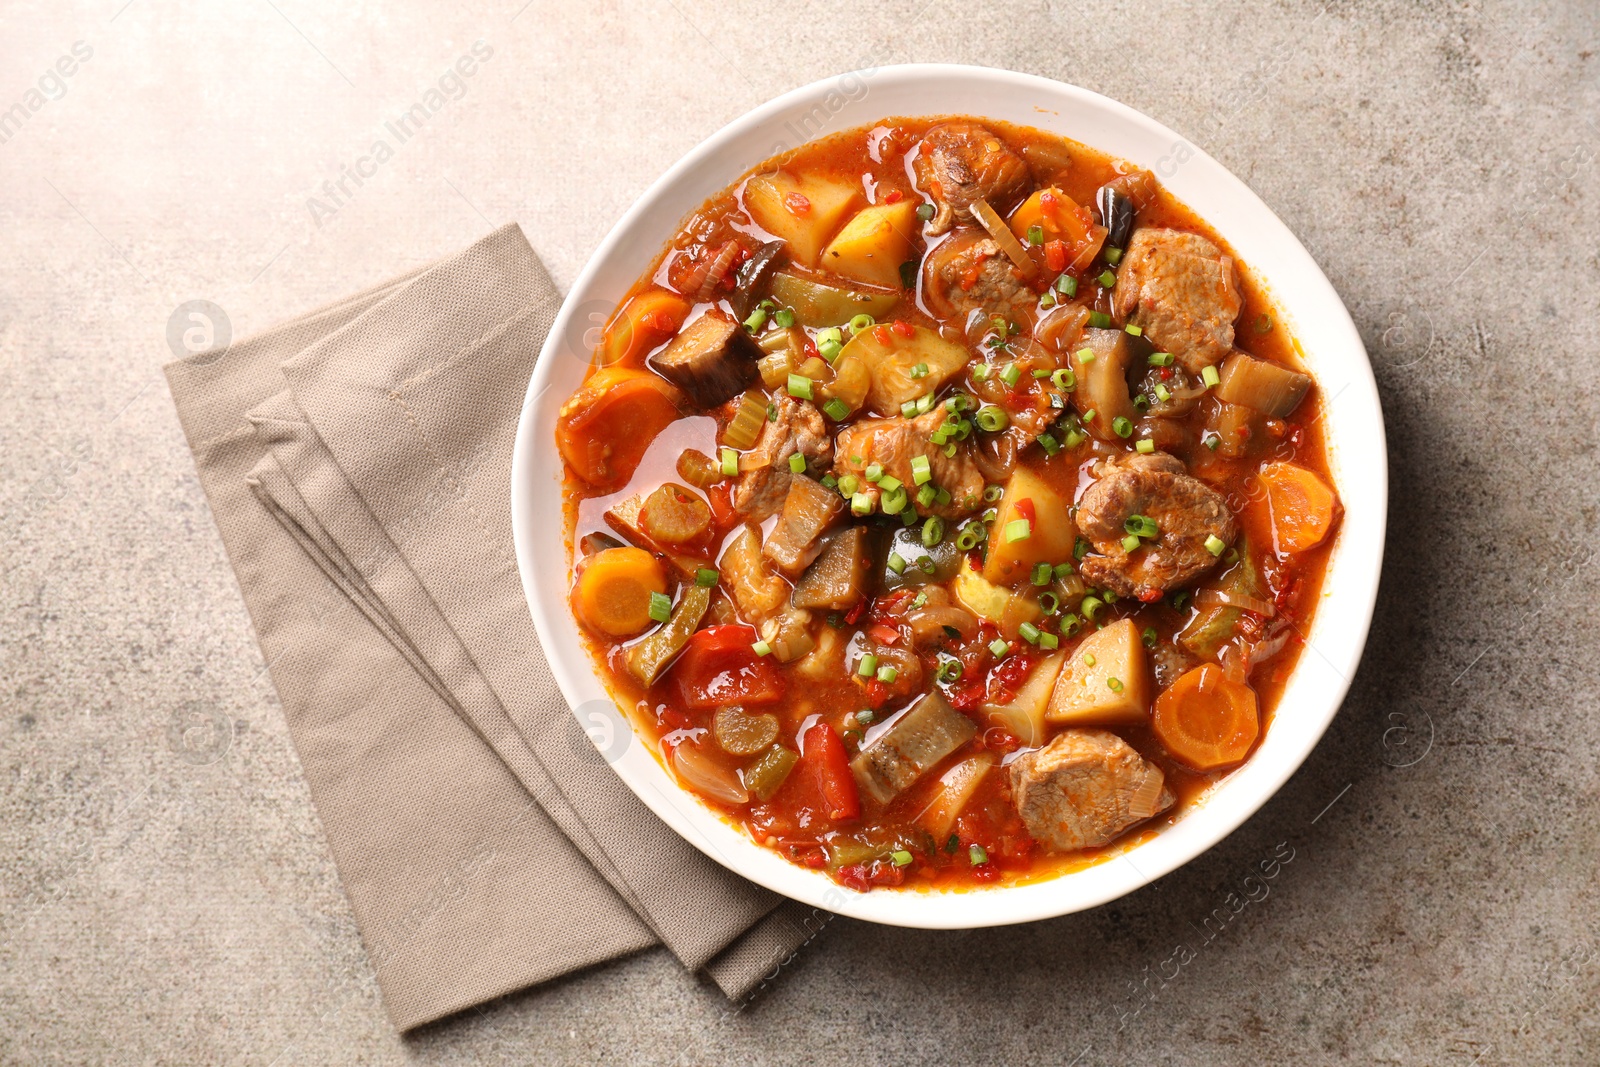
(1302, 506)
(612, 594)
(640, 325)
(1205, 720)
(605, 427)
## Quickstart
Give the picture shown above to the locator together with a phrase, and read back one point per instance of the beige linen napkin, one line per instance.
(357, 461)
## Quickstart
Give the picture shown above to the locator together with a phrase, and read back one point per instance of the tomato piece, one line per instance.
(893, 196)
(797, 203)
(1026, 510)
(820, 788)
(903, 328)
(883, 633)
(718, 667)
(1055, 255)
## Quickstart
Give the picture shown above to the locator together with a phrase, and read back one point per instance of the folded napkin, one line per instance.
(357, 460)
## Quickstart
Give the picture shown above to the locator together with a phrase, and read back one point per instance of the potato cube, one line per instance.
(873, 244)
(802, 211)
(1015, 542)
(1106, 682)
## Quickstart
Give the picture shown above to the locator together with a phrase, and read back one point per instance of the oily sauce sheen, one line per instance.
(626, 435)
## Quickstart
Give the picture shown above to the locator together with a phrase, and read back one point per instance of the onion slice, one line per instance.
(991, 221)
(1213, 597)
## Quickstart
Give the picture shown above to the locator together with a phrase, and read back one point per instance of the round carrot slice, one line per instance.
(605, 427)
(1205, 720)
(641, 324)
(614, 591)
(1302, 505)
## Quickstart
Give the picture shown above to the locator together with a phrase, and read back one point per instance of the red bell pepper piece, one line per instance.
(821, 788)
(718, 667)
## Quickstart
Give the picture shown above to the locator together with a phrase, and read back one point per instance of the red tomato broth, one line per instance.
(787, 821)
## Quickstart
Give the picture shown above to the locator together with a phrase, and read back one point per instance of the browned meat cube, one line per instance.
(1186, 293)
(894, 443)
(712, 359)
(1186, 511)
(1084, 789)
(968, 272)
(764, 479)
(961, 162)
(809, 511)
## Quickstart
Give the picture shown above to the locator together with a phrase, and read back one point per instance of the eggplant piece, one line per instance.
(712, 359)
(1272, 390)
(1116, 214)
(912, 746)
(837, 580)
(750, 285)
(809, 511)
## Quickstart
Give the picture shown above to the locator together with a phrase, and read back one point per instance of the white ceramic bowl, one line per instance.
(1316, 316)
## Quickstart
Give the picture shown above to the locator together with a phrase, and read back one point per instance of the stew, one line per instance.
(946, 503)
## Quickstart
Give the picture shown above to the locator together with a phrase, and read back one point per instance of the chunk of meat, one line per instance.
(712, 359)
(764, 479)
(1084, 789)
(960, 162)
(968, 273)
(1186, 293)
(893, 443)
(1186, 511)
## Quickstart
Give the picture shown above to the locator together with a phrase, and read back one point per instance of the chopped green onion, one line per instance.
(1010, 375)
(993, 492)
(1085, 355)
(889, 483)
(968, 538)
(1088, 659)
(1070, 624)
(1088, 416)
(901, 857)
(1146, 446)
(1036, 235)
(949, 670)
(897, 563)
(849, 484)
(830, 482)
(1149, 637)
(921, 472)
(1107, 279)
(1114, 684)
(1132, 331)
(926, 496)
(1048, 300)
(981, 372)
(784, 319)
(1090, 605)
(1142, 526)
(999, 647)
(1122, 425)
(797, 463)
(1042, 573)
(1163, 394)
(874, 471)
(830, 336)
(1080, 548)
(1210, 376)
(860, 504)
(887, 674)
(926, 564)
(941, 496)
(836, 409)
(1160, 359)
(932, 531)
(1180, 600)
(925, 212)
(1040, 373)
(1064, 378)
(730, 463)
(894, 501)
(757, 319)
(1130, 543)
(1215, 544)
(868, 666)
(861, 322)
(1050, 603)
(924, 403)
(1049, 443)
(1063, 569)
(800, 386)
(1029, 633)
(952, 845)
(865, 716)
(1067, 284)
(977, 855)
(1211, 440)
(706, 577)
(1099, 320)
(991, 419)
(660, 607)
(1113, 256)
(1018, 530)
(761, 648)
(920, 370)
(908, 410)
(1049, 641)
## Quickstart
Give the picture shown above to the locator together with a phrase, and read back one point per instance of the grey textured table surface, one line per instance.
(162, 904)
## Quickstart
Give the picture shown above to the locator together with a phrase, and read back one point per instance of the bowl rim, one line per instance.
(1358, 455)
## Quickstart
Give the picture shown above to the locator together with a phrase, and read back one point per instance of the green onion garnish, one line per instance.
(1122, 425)
(887, 674)
(1099, 320)
(868, 666)
(757, 319)
(797, 463)
(761, 648)
(1107, 279)
(998, 647)
(848, 485)
(1142, 526)
(730, 463)
(1048, 442)
(1130, 543)
(660, 607)
(861, 322)
(1149, 637)
(1018, 530)
(932, 531)
(897, 563)
(860, 504)
(1064, 378)
(991, 419)
(1049, 640)
(836, 409)
(1132, 331)
(1114, 684)
(1029, 633)
(1160, 359)
(1210, 376)
(1090, 605)
(706, 577)
(1215, 544)
(901, 857)
(977, 855)
(1113, 256)
(921, 472)
(1010, 375)
(1067, 284)
(784, 319)
(1145, 446)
